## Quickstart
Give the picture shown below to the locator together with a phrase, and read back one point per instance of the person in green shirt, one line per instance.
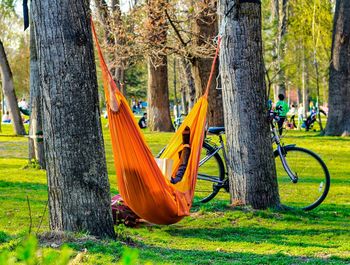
(282, 109)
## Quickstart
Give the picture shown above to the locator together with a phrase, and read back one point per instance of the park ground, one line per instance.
(215, 233)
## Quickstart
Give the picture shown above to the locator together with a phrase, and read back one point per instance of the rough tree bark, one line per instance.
(251, 164)
(206, 29)
(339, 81)
(36, 143)
(158, 97)
(282, 29)
(183, 90)
(186, 67)
(78, 187)
(9, 92)
(158, 92)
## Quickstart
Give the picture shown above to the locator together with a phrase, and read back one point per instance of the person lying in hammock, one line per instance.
(184, 156)
(184, 153)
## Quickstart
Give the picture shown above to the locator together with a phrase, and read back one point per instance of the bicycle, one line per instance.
(178, 121)
(302, 176)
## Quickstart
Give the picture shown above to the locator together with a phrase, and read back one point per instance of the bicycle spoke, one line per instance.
(210, 174)
(313, 179)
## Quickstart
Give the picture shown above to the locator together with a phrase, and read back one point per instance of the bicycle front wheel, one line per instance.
(211, 174)
(313, 179)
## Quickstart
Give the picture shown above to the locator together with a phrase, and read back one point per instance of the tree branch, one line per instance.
(175, 29)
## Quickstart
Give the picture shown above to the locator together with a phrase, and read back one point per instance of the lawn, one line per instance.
(215, 233)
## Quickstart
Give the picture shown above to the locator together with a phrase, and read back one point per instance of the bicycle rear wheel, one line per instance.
(313, 179)
(211, 175)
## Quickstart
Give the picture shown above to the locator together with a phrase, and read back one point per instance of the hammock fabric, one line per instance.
(140, 181)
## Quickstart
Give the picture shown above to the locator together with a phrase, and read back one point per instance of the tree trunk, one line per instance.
(304, 89)
(158, 97)
(325, 94)
(186, 66)
(206, 29)
(282, 29)
(78, 187)
(120, 41)
(158, 92)
(183, 93)
(36, 141)
(318, 93)
(339, 80)
(201, 71)
(111, 20)
(120, 78)
(9, 93)
(251, 164)
(300, 96)
(275, 10)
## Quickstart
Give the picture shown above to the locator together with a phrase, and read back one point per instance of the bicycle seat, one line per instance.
(216, 130)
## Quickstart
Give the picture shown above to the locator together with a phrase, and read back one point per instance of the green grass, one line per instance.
(214, 233)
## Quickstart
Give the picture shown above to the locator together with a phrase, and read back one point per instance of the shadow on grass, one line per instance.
(305, 135)
(255, 234)
(177, 256)
(324, 213)
(160, 255)
(22, 185)
(11, 166)
(4, 237)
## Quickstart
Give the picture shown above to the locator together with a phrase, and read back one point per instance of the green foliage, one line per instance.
(33, 163)
(16, 44)
(19, 62)
(7, 6)
(4, 237)
(27, 252)
(60, 258)
(136, 76)
(308, 38)
(130, 256)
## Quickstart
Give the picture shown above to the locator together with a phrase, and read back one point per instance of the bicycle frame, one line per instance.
(206, 158)
(281, 153)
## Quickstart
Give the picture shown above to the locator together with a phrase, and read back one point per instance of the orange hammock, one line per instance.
(141, 183)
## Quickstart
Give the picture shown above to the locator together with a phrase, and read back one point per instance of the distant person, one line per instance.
(293, 112)
(140, 105)
(300, 115)
(23, 104)
(133, 105)
(311, 106)
(143, 121)
(311, 119)
(282, 109)
(24, 107)
(6, 117)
